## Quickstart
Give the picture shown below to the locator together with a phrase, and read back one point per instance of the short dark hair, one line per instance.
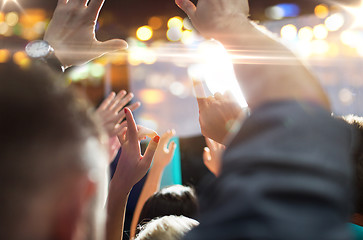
(358, 162)
(175, 200)
(43, 129)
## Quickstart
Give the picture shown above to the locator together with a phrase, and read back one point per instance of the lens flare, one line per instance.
(357, 13)
(216, 69)
(6, 2)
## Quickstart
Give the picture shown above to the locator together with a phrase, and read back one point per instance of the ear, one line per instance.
(71, 208)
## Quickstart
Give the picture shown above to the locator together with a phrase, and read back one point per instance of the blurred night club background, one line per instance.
(165, 52)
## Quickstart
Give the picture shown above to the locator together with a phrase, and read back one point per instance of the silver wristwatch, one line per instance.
(41, 50)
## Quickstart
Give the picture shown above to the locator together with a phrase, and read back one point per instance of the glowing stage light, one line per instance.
(151, 96)
(289, 32)
(175, 22)
(321, 11)
(80, 73)
(357, 13)
(283, 10)
(335, 22)
(12, 19)
(4, 28)
(174, 34)
(97, 70)
(306, 34)
(144, 33)
(275, 13)
(155, 22)
(4, 55)
(216, 69)
(187, 37)
(320, 32)
(21, 59)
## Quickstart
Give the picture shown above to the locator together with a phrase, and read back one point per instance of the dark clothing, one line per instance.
(286, 175)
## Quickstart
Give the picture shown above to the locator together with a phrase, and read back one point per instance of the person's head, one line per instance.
(167, 227)
(358, 162)
(51, 160)
(173, 200)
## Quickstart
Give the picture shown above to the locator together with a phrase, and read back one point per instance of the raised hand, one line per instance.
(110, 111)
(132, 166)
(111, 114)
(71, 32)
(212, 156)
(164, 154)
(162, 158)
(211, 17)
(217, 113)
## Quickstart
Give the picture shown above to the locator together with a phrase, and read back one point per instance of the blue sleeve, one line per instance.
(286, 175)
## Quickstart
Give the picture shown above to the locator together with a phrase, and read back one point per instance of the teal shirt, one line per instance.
(357, 231)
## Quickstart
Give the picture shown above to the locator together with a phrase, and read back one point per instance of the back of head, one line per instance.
(173, 200)
(358, 162)
(167, 227)
(44, 133)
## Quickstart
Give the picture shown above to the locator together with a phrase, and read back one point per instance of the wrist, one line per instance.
(231, 30)
(119, 187)
(58, 52)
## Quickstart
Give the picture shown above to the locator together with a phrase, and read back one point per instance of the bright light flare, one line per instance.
(289, 32)
(217, 71)
(5, 2)
(320, 32)
(335, 22)
(306, 34)
(357, 13)
(321, 11)
(175, 22)
(144, 33)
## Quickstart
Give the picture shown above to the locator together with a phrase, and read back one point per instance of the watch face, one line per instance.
(38, 49)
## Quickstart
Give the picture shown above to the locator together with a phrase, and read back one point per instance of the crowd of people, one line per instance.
(285, 169)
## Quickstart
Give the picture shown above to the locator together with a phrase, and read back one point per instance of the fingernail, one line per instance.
(156, 139)
(125, 110)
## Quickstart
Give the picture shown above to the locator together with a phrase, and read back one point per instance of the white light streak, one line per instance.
(357, 13)
(216, 69)
(6, 2)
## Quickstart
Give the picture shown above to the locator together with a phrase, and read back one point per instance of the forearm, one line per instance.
(151, 185)
(116, 204)
(266, 69)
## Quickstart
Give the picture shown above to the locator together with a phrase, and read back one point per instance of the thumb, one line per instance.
(112, 45)
(150, 151)
(187, 6)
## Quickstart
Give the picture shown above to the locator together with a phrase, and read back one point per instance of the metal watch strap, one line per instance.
(54, 62)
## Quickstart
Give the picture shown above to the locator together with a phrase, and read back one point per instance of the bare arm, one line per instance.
(131, 167)
(266, 69)
(163, 156)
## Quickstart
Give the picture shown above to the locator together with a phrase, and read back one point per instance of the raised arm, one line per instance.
(71, 32)
(163, 156)
(274, 73)
(131, 167)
